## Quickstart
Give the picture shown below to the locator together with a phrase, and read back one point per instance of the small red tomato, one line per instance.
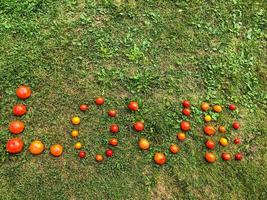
(112, 113)
(113, 142)
(82, 154)
(19, 109)
(210, 144)
(186, 104)
(114, 128)
(139, 126)
(236, 125)
(14, 145)
(16, 127)
(237, 141)
(185, 126)
(226, 156)
(133, 106)
(23, 92)
(186, 111)
(99, 101)
(238, 156)
(84, 107)
(109, 152)
(232, 107)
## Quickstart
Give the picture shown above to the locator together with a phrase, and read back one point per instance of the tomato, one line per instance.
(78, 145)
(160, 158)
(238, 156)
(112, 113)
(82, 154)
(16, 127)
(207, 118)
(210, 157)
(109, 152)
(99, 101)
(205, 106)
(139, 126)
(36, 147)
(236, 125)
(113, 142)
(222, 129)
(19, 110)
(84, 107)
(23, 92)
(237, 141)
(217, 108)
(181, 136)
(99, 158)
(185, 126)
(223, 141)
(186, 111)
(186, 104)
(209, 130)
(133, 106)
(114, 128)
(74, 133)
(226, 156)
(210, 144)
(143, 144)
(232, 107)
(174, 149)
(56, 150)
(75, 120)
(14, 145)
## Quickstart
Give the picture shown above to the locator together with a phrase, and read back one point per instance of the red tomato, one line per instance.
(186, 111)
(139, 126)
(133, 106)
(82, 154)
(14, 145)
(109, 152)
(232, 107)
(226, 156)
(112, 113)
(210, 144)
(186, 104)
(23, 92)
(237, 141)
(114, 128)
(185, 126)
(236, 125)
(16, 127)
(84, 107)
(210, 157)
(238, 156)
(99, 101)
(113, 142)
(19, 109)
(160, 158)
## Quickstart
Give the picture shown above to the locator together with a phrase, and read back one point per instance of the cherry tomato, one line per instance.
(236, 125)
(232, 107)
(14, 145)
(23, 92)
(185, 126)
(139, 126)
(174, 149)
(210, 157)
(186, 111)
(160, 158)
(16, 127)
(113, 142)
(181, 136)
(19, 110)
(186, 104)
(112, 113)
(84, 107)
(133, 106)
(114, 128)
(210, 144)
(237, 141)
(238, 156)
(109, 152)
(226, 156)
(99, 158)
(82, 154)
(99, 101)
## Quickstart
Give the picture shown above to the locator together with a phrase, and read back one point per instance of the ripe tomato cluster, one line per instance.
(210, 130)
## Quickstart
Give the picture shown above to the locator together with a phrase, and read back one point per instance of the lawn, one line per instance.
(156, 52)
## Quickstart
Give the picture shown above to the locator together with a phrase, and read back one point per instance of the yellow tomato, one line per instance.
(74, 133)
(207, 118)
(223, 141)
(78, 145)
(75, 120)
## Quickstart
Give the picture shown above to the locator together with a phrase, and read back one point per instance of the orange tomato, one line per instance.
(209, 130)
(16, 127)
(210, 157)
(222, 129)
(181, 136)
(185, 126)
(56, 150)
(160, 158)
(143, 144)
(174, 149)
(23, 92)
(205, 106)
(113, 142)
(36, 147)
(99, 158)
(217, 108)
(74, 133)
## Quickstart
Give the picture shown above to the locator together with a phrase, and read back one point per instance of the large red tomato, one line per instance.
(139, 126)
(185, 126)
(23, 92)
(16, 127)
(133, 106)
(14, 145)
(19, 109)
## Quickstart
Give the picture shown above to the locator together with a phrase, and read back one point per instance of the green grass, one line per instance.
(155, 52)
